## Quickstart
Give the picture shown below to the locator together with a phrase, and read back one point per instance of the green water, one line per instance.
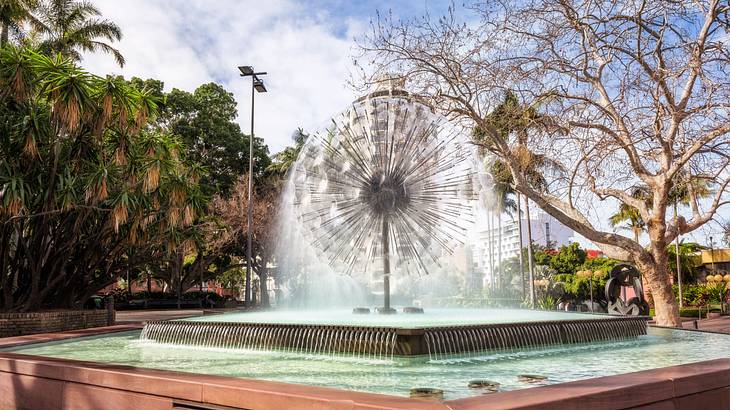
(660, 348)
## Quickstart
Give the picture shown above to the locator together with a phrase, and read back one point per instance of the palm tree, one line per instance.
(687, 261)
(627, 217)
(503, 203)
(72, 27)
(82, 181)
(510, 117)
(686, 191)
(284, 160)
(13, 14)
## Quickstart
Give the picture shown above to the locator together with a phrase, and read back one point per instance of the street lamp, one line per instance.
(589, 274)
(712, 254)
(258, 85)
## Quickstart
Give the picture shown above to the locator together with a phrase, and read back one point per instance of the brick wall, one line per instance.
(18, 324)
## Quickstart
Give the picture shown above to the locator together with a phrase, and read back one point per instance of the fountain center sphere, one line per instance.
(385, 193)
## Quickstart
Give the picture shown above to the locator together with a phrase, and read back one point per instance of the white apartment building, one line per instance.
(545, 229)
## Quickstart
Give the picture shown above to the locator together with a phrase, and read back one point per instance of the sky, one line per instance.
(306, 48)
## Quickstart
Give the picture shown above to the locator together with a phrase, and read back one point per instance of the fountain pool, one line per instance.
(432, 317)
(397, 375)
(437, 334)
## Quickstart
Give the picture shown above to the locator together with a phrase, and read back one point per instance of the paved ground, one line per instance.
(138, 316)
(720, 324)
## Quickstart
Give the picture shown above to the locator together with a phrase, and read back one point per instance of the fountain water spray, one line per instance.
(388, 180)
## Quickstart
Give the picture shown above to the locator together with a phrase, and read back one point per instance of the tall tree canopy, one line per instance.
(639, 90)
(205, 121)
(14, 14)
(70, 27)
(83, 178)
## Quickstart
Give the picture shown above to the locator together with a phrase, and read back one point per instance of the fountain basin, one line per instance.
(261, 370)
(384, 341)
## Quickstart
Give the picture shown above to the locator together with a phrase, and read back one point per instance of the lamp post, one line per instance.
(256, 85)
(676, 251)
(712, 254)
(589, 275)
(590, 281)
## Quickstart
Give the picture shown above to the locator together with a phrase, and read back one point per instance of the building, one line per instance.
(714, 261)
(546, 231)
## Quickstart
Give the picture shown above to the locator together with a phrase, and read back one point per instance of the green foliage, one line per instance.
(72, 27)
(284, 160)
(566, 262)
(702, 294)
(541, 254)
(688, 262)
(579, 288)
(205, 122)
(547, 302)
(83, 179)
(568, 259)
(232, 278)
(717, 292)
(690, 293)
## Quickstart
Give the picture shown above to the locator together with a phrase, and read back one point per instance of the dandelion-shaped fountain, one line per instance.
(389, 180)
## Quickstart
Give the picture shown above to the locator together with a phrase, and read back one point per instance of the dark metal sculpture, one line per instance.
(623, 276)
(391, 180)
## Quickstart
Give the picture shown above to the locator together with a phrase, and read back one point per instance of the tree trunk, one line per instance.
(490, 249)
(519, 246)
(129, 275)
(178, 277)
(666, 311)
(4, 35)
(530, 270)
(264, 286)
(679, 265)
(499, 250)
(200, 272)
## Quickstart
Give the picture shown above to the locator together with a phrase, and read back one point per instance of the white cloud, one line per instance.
(188, 43)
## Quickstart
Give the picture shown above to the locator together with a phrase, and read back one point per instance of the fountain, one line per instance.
(385, 194)
(390, 182)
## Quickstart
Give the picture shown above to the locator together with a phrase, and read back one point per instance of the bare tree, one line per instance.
(233, 211)
(635, 92)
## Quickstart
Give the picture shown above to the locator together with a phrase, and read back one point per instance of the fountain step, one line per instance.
(386, 342)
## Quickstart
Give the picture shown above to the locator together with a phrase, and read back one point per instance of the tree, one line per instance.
(639, 90)
(15, 13)
(568, 259)
(233, 212)
(283, 161)
(509, 118)
(629, 215)
(82, 180)
(688, 258)
(70, 27)
(503, 203)
(205, 121)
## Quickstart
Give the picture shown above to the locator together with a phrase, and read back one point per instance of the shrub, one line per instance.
(198, 295)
